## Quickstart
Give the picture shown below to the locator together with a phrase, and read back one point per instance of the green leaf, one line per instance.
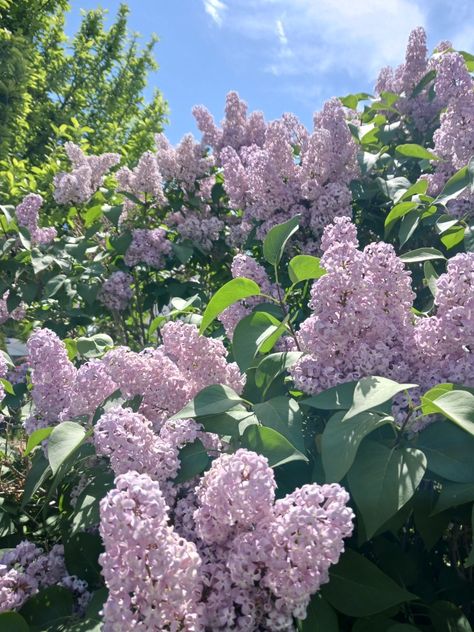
(453, 236)
(398, 211)
(54, 285)
(372, 392)
(230, 293)
(305, 267)
(63, 441)
(431, 276)
(193, 459)
(225, 424)
(444, 223)
(430, 528)
(36, 438)
(87, 507)
(249, 335)
(411, 150)
(422, 254)
(36, 476)
(335, 398)
(13, 622)
(447, 617)
(277, 238)
(271, 444)
(453, 495)
(340, 441)
(454, 186)
(121, 243)
(113, 213)
(358, 588)
(420, 187)
(402, 627)
(408, 226)
(48, 606)
(40, 261)
(283, 415)
(212, 400)
(449, 451)
(382, 481)
(320, 617)
(273, 365)
(421, 85)
(94, 346)
(81, 553)
(92, 215)
(458, 406)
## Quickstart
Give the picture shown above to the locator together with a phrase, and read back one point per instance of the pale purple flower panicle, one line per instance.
(145, 181)
(271, 183)
(92, 386)
(361, 322)
(238, 129)
(186, 163)
(116, 291)
(128, 439)
(87, 176)
(421, 109)
(150, 246)
(153, 575)
(27, 214)
(289, 553)
(17, 314)
(445, 341)
(234, 495)
(52, 373)
(25, 570)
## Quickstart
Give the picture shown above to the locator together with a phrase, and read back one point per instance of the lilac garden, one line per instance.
(244, 396)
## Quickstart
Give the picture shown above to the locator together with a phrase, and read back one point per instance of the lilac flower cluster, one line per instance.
(234, 560)
(362, 322)
(166, 377)
(290, 171)
(238, 130)
(171, 375)
(187, 164)
(27, 213)
(149, 246)
(17, 314)
(78, 186)
(27, 569)
(445, 341)
(145, 182)
(454, 139)
(116, 291)
(52, 373)
(421, 109)
(151, 572)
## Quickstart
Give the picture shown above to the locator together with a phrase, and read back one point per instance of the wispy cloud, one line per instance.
(216, 9)
(317, 38)
(280, 31)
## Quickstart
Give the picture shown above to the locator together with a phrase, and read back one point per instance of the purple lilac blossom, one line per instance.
(27, 214)
(87, 175)
(116, 291)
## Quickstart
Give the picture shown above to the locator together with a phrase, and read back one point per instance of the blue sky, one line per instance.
(280, 55)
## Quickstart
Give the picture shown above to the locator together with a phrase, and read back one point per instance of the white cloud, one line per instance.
(280, 31)
(326, 36)
(216, 9)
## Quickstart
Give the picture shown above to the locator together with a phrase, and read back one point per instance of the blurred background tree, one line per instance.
(88, 88)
